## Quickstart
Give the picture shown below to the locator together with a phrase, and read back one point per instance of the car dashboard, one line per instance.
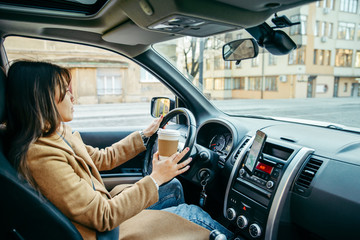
(304, 186)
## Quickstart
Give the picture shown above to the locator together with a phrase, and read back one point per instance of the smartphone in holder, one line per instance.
(255, 151)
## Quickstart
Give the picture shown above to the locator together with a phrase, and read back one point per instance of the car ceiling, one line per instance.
(123, 25)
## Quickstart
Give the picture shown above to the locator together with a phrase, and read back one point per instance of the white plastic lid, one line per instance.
(168, 132)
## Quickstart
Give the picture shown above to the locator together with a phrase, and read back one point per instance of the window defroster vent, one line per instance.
(307, 175)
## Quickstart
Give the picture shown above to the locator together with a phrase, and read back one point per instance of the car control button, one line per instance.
(255, 230)
(230, 214)
(242, 222)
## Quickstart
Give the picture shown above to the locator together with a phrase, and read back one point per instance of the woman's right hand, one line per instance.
(165, 170)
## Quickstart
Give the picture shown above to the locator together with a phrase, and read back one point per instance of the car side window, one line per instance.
(110, 90)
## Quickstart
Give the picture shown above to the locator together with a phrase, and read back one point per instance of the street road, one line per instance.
(344, 111)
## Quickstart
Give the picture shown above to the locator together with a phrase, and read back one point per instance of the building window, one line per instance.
(270, 84)
(227, 64)
(297, 56)
(254, 83)
(315, 56)
(209, 43)
(343, 57)
(272, 60)
(239, 83)
(321, 57)
(208, 64)
(209, 84)
(348, 6)
(228, 37)
(345, 87)
(228, 83)
(330, 30)
(255, 61)
(217, 63)
(299, 29)
(327, 57)
(326, 4)
(346, 31)
(218, 42)
(146, 77)
(108, 81)
(219, 84)
(239, 36)
(357, 60)
(317, 27)
(323, 29)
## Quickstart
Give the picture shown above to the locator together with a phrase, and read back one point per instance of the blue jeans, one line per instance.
(171, 199)
(170, 194)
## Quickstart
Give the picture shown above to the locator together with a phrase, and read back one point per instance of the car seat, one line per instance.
(24, 214)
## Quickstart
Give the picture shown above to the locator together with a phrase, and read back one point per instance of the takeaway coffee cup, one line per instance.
(168, 141)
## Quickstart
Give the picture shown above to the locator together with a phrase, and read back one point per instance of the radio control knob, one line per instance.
(269, 184)
(242, 222)
(230, 214)
(242, 172)
(255, 230)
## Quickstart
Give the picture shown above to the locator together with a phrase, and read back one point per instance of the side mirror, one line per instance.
(161, 106)
(240, 49)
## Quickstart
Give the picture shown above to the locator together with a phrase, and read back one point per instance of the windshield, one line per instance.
(318, 81)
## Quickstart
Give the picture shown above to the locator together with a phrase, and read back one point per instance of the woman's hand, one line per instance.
(165, 170)
(153, 127)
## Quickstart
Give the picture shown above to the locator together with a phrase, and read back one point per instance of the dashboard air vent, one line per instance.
(236, 155)
(308, 173)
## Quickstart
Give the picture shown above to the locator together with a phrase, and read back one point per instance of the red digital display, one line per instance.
(265, 168)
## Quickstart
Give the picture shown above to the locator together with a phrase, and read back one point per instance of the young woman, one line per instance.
(57, 163)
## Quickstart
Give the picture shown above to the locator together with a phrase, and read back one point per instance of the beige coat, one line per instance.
(67, 177)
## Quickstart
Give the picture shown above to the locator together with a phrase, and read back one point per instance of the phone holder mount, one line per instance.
(261, 157)
(282, 22)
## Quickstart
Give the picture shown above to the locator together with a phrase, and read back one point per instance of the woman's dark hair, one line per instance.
(31, 107)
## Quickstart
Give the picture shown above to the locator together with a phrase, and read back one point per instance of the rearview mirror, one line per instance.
(240, 49)
(161, 106)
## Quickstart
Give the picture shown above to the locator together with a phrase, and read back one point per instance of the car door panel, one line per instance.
(127, 173)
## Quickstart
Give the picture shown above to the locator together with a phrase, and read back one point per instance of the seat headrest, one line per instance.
(2, 95)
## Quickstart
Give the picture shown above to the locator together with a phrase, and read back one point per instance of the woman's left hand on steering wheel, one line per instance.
(153, 127)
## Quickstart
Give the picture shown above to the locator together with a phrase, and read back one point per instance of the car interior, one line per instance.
(277, 179)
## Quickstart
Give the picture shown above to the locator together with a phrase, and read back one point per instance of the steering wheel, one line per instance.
(189, 137)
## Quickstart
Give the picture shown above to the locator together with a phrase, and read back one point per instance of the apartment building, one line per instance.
(325, 64)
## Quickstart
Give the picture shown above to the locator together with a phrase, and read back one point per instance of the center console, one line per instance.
(259, 166)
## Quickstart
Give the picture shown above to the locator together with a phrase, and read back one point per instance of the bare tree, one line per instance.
(192, 58)
(190, 54)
